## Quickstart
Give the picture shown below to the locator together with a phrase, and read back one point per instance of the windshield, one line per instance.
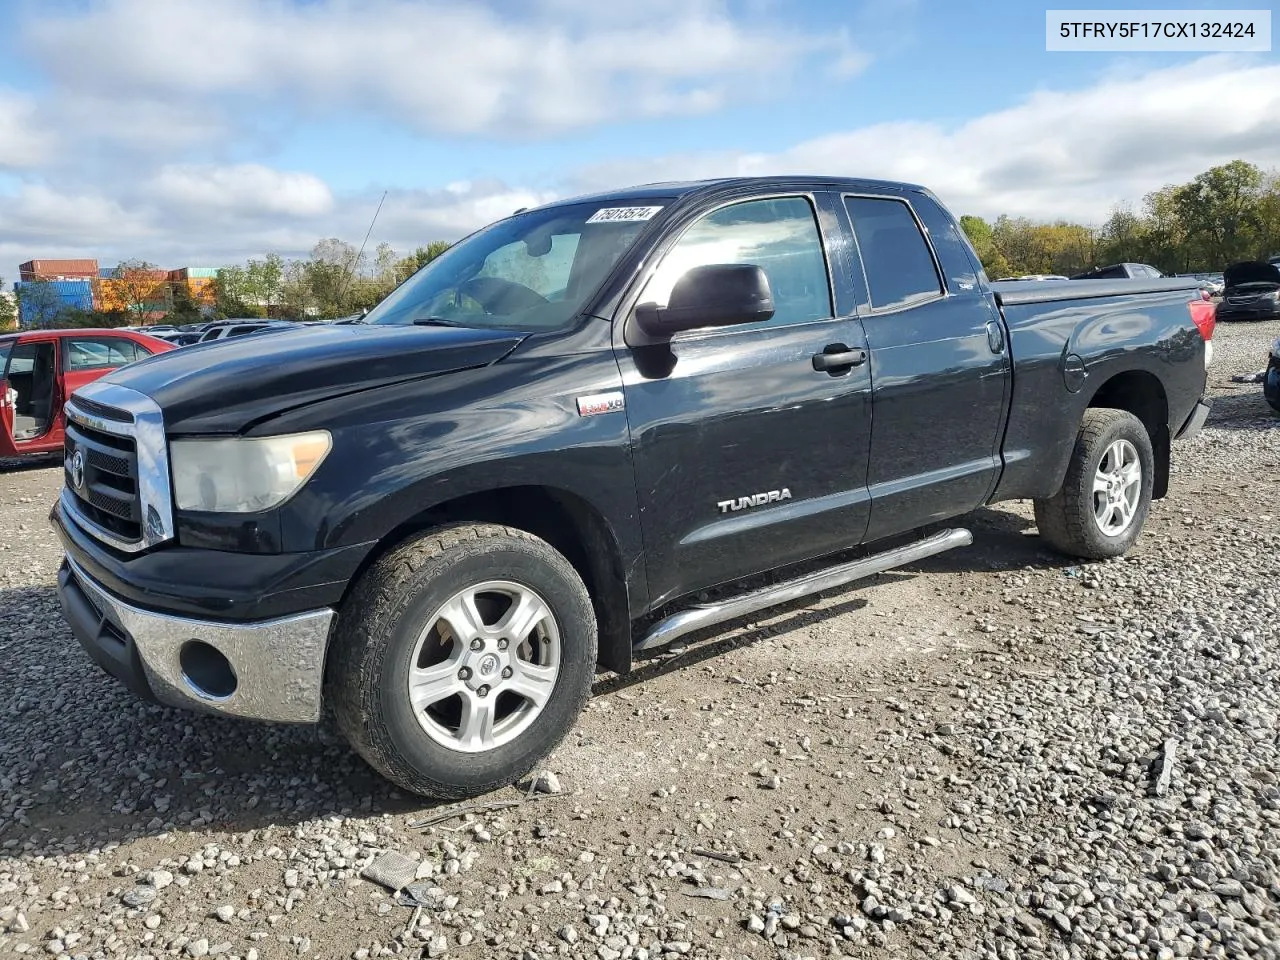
(533, 271)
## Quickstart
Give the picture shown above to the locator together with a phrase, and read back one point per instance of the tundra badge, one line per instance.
(756, 500)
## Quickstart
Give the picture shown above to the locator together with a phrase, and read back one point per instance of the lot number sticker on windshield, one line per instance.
(622, 214)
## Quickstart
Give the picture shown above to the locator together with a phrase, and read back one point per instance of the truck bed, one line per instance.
(1047, 291)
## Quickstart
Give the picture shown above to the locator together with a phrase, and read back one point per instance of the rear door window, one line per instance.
(895, 255)
(98, 353)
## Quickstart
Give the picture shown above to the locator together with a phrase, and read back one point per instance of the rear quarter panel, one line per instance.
(1065, 351)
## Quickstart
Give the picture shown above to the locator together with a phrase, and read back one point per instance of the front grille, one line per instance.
(1250, 298)
(101, 410)
(107, 492)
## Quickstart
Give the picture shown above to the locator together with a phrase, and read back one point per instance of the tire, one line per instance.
(395, 626)
(1271, 387)
(1069, 520)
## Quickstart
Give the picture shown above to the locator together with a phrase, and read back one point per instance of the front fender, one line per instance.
(404, 450)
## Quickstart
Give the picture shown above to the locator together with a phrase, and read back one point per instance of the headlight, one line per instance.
(244, 474)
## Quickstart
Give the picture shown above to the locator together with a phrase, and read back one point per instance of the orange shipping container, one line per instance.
(202, 291)
(53, 269)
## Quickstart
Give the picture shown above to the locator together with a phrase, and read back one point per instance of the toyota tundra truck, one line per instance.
(535, 458)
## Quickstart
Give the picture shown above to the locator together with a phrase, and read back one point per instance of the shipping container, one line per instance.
(202, 291)
(57, 269)
(42, 302)
(193, 273)
(106, 273)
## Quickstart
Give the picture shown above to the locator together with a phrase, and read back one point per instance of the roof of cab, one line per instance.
(683, 188)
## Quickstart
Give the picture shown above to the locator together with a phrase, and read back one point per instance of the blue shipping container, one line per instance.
(40, 303)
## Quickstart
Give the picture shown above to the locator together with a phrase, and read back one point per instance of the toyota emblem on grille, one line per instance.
(77, 470)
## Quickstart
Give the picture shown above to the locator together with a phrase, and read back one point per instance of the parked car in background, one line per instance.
(1211, 283)
(1252, 292)
(1121, 271)
(227, 329)
(40, 369)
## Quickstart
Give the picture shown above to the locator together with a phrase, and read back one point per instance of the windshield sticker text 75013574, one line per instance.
(622, 214)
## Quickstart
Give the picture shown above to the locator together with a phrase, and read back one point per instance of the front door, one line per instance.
(8, 396)
(940, 367)
(748, 454)
(32, 401)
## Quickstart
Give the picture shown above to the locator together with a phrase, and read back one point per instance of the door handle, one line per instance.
(995, 336)
(836, 359)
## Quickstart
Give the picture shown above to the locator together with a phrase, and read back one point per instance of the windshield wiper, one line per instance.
(437, 322)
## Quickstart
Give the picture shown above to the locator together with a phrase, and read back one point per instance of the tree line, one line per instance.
(1227, 214)
(336, 280)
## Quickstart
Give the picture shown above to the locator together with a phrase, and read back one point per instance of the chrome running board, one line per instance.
(704, 615)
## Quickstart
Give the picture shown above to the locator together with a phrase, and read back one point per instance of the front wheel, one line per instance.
(462, 659)
(1106, 495)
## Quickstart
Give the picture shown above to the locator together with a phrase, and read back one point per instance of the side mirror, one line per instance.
(715, 295)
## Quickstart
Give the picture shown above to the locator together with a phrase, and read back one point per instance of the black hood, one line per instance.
(1251, 271)
(223, 386)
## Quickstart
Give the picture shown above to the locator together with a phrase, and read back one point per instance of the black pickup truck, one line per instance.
(527, 462)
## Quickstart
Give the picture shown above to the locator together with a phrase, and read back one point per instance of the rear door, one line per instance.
(939, 364)
(747, 454)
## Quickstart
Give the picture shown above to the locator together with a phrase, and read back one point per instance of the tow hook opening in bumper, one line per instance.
(207, 670)
(269, 670)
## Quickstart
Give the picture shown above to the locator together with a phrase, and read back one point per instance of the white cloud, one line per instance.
(24, 142)
(1072, 154)
(242, 190)
(204, 216)
(436, 65)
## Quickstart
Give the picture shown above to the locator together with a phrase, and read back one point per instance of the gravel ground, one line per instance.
(996, 754)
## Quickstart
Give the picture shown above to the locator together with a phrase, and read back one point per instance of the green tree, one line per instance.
(296, 300)
(232, 294)
(983, 239)
(1220, 210)
(331, 272)
(263, 280)
(8, 308)
(185, 309)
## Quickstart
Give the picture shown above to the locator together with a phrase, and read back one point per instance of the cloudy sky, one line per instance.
(198, 133)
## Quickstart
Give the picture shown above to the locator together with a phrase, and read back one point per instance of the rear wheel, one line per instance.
(462, 659)
(1106, 495)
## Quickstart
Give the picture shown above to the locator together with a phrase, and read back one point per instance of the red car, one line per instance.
(41, 368)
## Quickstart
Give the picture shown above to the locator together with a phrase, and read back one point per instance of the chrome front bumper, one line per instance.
(269, 670)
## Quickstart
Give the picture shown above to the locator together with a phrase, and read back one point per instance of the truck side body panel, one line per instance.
(1066, 350)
